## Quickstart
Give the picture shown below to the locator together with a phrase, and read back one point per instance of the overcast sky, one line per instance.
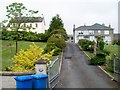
(78, 12)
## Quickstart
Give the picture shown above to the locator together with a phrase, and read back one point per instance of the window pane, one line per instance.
(30, 25)
(36, 25)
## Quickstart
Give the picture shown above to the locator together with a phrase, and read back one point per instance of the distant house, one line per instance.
(90, 32)
(70, 38)
(37, 24)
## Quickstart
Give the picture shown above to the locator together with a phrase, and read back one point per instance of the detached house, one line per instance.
(37, 24)
(90, 32)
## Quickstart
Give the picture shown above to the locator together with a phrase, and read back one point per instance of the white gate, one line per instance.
(53, 72)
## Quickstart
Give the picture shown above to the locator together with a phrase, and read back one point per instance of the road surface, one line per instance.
(76, 73)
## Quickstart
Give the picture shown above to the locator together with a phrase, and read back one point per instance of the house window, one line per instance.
(99, 32)
(71, 38)
(80, 33)
(91, 32)
(36, 25)
(30, 25)
(107, 32)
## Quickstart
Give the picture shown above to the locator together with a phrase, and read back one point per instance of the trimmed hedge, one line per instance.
(23, 35)
(86, 45)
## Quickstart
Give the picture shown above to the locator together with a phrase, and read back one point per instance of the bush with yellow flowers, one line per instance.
(24, 60)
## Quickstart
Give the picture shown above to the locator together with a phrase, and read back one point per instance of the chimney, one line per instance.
(103, 24)
(109, 26)
(74, 27)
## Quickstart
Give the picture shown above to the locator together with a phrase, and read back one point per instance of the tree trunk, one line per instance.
(94, 48)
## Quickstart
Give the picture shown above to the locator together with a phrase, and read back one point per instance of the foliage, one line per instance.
(86, 44)
(24, 60)
(56, 23)
(14, 13)
(100, 57)
(97, 61)
(100, 43)
(60, 32)
(117, 42)
(50, 46)
(24, 36)
(102, 53)
(110, 63)
(57, 40)
(8, 50)
(42, 37)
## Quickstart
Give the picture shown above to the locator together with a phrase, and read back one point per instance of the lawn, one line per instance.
(8, 50)
(112, 48)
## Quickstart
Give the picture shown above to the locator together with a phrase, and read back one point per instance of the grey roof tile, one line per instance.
(27, 19)
(96, 26)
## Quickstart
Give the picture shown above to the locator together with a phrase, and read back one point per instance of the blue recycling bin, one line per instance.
(39, 81)
(24, 82)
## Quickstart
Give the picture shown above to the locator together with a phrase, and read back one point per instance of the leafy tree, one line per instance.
(57, 40)
(56, 23)
(100, 43)
(14, 13)
(61, 32)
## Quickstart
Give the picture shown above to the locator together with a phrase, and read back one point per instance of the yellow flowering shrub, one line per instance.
(24, 60)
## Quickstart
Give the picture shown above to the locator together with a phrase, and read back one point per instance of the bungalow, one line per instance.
(90, 32)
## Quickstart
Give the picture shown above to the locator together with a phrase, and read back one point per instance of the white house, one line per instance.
(37, 24)
(90, 32)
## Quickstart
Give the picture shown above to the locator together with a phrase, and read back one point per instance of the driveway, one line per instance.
(76, 73)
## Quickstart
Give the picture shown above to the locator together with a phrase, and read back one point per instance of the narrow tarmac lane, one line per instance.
(76, 73)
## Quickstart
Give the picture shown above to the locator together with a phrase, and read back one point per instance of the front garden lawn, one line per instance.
(8, 50)
(112, 48)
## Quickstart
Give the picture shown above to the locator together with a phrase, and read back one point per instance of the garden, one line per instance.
(100, 53)
(8, 50)
(21, 49)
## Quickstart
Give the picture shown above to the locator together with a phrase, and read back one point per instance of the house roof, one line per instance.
(27, 19)
(96, 26)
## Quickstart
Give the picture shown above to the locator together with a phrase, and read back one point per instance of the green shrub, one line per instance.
(57, 40)
(97, 61)
(50, 46)
(110, 63)
(109, 69)
(60, 32)
(100, 42)
(86, 45)
(117, 42)
(100, 57)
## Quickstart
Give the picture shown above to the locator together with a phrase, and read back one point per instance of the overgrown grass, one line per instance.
(9, 48)
(114, 49)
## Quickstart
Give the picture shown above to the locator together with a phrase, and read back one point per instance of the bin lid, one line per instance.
(23, 78)
(39, 76)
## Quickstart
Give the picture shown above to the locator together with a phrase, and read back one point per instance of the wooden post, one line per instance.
(95, 46)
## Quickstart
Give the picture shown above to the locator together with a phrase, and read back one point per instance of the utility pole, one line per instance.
(74, 33)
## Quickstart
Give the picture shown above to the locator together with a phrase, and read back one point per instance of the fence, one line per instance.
(117, 69)
(53, 72)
